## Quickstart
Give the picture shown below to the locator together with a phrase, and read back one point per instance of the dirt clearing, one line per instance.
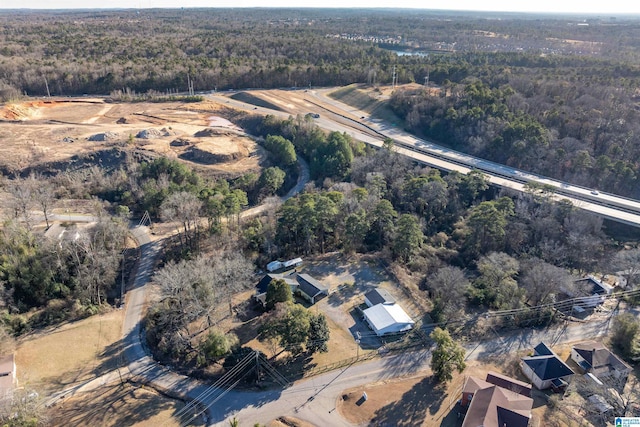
(42, 132)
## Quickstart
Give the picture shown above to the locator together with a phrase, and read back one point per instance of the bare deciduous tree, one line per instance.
(183, 208)
(193, 291)
(628, 262)
(543, 281)
(447, 288)
(43, 194)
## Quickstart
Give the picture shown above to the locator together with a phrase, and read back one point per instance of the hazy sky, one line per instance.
(600, 7)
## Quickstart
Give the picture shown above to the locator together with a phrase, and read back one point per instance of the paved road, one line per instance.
(345, 118)
(142, 366)
(314, 399)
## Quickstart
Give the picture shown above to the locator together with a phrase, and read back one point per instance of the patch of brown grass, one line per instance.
(71, 353)
(118, 405)
(414, 401)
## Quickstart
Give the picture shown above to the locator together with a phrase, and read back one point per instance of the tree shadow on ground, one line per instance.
(411, 409)
(406, 362)
(247, 331)
(294, 368)
(247, 310)
(342, 294)
(454, 418)
(117, 404)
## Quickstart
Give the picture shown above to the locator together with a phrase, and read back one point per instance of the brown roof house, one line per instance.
(545, 369)
(497, 401)
(8, 380)
(594, 358)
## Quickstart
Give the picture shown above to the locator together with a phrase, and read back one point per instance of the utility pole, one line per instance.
(257, 354)
(394, 78)
(122, 283)
(46, 84)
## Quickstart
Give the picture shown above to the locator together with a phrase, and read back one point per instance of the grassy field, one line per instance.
(72, 353)
(57, 358)
(120, 405)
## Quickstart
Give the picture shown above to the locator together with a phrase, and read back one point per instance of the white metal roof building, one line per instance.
(387, 319)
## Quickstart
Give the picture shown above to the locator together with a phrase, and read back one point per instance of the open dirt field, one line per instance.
(55, 131)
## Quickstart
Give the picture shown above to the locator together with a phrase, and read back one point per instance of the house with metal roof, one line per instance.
(545, 369)
(387, 319)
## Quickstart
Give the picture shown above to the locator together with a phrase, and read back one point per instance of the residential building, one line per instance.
(594, 358)
(387, 319)
(492, 405)
(545, 369)
(301, 285)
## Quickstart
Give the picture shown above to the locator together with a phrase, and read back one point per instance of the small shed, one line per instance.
(274, 266)
(387, 319)
(378, 296)
(292, 263)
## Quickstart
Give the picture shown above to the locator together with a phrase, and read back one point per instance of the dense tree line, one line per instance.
(71, 53)
(35, 270)
(566, 127)
(511, 251)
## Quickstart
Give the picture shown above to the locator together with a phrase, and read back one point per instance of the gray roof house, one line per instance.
(593, 357)
(302, 285)
(545, 369)
(310, 289)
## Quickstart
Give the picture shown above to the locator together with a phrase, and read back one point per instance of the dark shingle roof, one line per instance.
(509, 383)
(542, 350)
(263, 284)
(311, 286)
(547, 367)
(599, 357)
(379, 296)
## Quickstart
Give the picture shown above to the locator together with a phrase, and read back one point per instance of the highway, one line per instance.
(337, 116)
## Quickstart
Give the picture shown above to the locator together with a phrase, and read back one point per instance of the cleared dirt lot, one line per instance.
(57, 131)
